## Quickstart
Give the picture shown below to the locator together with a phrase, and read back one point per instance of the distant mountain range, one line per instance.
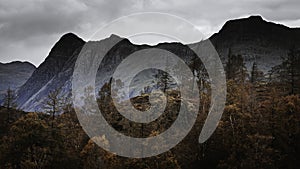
(254, 38)
(13, 75)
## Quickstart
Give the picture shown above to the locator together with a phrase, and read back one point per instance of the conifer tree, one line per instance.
(235, 68)
(54, 104)
(9, 99)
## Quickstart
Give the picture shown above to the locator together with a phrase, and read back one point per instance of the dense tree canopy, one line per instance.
(260, 127)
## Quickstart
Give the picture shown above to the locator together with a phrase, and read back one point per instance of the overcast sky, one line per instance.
(28, 29)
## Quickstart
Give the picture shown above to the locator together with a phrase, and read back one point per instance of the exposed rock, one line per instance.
(253, 38)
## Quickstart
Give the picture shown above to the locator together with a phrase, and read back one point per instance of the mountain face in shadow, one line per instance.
(13, 75)
(256, 40)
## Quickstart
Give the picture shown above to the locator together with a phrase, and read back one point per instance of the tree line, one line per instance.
(260, 126)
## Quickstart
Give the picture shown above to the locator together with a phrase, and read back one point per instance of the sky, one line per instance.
(29, 29)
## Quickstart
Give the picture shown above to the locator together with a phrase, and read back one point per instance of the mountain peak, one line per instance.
(66, 45)
(114, 36)
(62, 54)
(255, 17)
(70, 37)
(253, 20)
(252, 26)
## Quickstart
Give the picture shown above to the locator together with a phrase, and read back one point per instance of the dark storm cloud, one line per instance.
(23, 19)
(28, 29)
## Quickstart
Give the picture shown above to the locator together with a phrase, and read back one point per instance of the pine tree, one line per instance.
(9, 102)
(9, 99)
(288, 72)
(235, 68)
(291, 70)
(256, 74)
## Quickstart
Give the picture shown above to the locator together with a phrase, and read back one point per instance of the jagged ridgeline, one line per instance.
(259, 127)
(139, 93)
(254, 39)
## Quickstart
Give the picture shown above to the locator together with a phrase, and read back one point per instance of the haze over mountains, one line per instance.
(255, 39)
(13, 75)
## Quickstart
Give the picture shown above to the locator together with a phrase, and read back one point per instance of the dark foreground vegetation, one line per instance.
(260, 128)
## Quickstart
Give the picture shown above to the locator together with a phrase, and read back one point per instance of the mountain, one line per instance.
(58, 73)
(57, 63)
(254, 38)
(13, 75)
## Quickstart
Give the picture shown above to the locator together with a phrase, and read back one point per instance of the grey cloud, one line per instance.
(38, 19)
(33, 26)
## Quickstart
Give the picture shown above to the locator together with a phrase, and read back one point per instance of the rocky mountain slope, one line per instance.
(255, 39)
(13, 75)
(55, 66)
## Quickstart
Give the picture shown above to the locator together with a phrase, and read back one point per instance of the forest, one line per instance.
(260, 126)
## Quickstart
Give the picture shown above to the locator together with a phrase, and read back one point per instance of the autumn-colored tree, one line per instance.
(54, 104)
(73, 138)
(247, 138)
(26, 145)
